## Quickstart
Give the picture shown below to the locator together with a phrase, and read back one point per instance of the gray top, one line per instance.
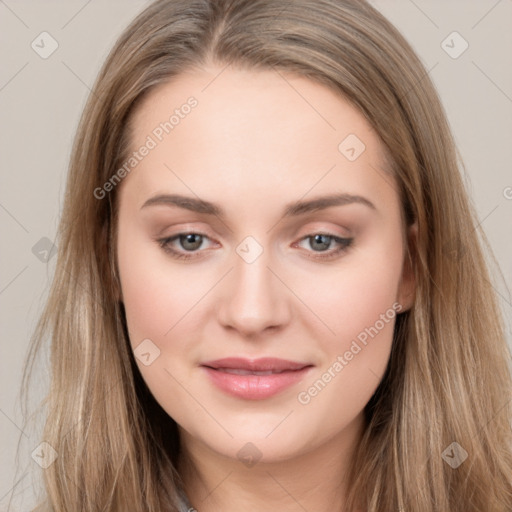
(183, 504)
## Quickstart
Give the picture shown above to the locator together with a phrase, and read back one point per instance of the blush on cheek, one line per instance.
(357, 304)
(155, 296)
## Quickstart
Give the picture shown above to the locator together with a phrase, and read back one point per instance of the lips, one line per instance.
(254, 379)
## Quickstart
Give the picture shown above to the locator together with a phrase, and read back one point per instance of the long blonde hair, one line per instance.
(449, 376)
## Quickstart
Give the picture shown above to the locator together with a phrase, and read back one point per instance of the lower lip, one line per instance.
(255, 387)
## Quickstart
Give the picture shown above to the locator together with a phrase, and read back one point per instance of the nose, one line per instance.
(254, 300)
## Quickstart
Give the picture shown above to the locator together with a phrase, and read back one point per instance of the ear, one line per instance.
(407, 285)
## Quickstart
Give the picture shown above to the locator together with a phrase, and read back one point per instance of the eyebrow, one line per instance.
(292, 209)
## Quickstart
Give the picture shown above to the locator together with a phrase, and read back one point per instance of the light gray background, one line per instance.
(41, 100)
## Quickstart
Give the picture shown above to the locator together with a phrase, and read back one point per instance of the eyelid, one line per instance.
(324, 228)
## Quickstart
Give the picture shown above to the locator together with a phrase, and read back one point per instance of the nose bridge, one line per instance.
(255, 299)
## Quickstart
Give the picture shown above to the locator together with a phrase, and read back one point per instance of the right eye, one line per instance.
(189, 242)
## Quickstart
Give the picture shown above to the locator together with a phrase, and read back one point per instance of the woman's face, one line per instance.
(260, 254)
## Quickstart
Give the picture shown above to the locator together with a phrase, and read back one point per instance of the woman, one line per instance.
(270, 293)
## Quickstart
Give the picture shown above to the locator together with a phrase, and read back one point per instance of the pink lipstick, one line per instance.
(254, 379)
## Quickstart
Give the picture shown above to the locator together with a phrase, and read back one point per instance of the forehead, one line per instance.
(262, 134)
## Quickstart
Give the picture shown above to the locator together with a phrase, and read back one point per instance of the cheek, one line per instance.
(352, 297)
(157, 297)
(156, 294)
(359, 304)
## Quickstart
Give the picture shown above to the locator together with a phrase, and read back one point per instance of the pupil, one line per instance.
(191, 241)
(322, 241)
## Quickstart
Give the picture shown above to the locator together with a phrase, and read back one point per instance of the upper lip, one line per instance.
(257, 365)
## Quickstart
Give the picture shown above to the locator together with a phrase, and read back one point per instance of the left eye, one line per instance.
(323, 244)
(191, 243)
(319, 242)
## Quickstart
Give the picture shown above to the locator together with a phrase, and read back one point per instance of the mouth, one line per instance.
(238, 371)
(255, 379)
(264, 364)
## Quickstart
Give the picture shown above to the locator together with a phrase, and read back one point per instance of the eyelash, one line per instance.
(344, 245)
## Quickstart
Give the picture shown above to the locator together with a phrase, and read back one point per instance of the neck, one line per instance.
(315, 479)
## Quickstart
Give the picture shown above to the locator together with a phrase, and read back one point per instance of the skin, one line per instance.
(257, 141)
